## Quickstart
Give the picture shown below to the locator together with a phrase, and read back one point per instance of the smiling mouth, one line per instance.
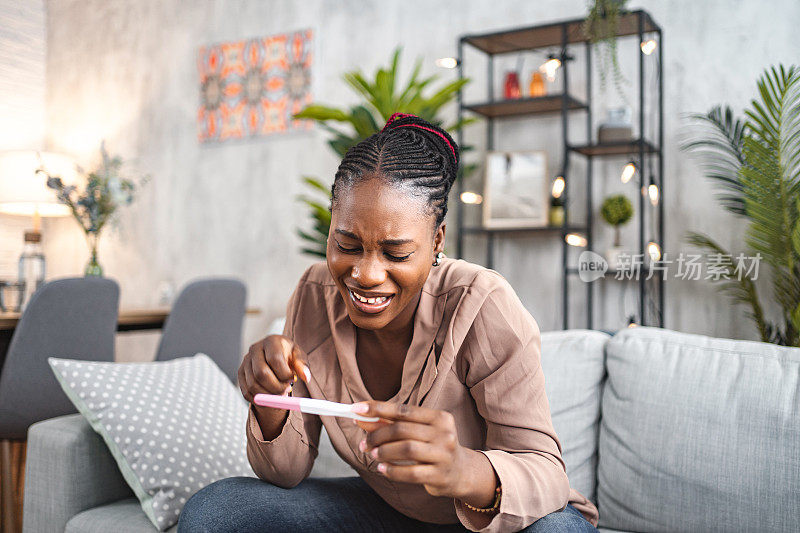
(370, 305)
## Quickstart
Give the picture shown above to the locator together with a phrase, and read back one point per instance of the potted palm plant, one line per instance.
(756, 164)
(381, 96)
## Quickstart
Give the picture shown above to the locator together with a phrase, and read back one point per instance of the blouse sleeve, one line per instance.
(287, 459)
(504, 375)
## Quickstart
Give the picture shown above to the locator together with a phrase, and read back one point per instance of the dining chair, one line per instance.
(207, 317)
(73, 318)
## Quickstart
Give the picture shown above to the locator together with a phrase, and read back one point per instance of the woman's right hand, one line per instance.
(271, 366)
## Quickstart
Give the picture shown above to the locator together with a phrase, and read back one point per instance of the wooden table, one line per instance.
(129, 319)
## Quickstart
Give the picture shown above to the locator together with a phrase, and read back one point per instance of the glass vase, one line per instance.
(93, 267)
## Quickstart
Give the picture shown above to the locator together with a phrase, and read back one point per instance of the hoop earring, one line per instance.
(439, 255)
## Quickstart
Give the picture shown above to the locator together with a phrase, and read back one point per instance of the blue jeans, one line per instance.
(244, 505)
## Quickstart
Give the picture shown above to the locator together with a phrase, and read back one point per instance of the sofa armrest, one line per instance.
(68, 470)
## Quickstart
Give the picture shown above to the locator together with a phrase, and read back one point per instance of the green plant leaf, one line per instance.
(743, 291)
(317, 184)
(363, 122)
(720, 144)
(322, 113)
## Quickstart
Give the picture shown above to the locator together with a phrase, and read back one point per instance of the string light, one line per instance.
(573, 239)
(648, 46)
(447, 62)
(654, 251)
(652, 192)
(549, 68)
(558, 187)
(469, 197)
(628, 171)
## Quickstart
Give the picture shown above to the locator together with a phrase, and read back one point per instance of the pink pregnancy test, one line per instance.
(310, 406)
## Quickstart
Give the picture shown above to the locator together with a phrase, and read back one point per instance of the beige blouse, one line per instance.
(475, 352)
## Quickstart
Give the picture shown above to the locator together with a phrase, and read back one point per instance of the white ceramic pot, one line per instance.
(612, 256)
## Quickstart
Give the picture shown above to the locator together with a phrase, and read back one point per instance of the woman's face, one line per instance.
(380, 249)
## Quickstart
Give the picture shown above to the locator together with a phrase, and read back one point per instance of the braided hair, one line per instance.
(409, 152)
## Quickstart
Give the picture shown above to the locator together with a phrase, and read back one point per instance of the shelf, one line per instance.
(540, 105)
(532, 229)
(565, 39)
(548, 35)
(611, 275)
(617, 148)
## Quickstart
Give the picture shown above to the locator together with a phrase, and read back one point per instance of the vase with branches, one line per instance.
(97, 204)
(755, 162)
(381, 96)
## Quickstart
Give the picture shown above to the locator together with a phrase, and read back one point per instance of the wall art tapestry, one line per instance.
(253, 87)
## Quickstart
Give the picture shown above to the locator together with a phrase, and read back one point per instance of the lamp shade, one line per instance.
(23, 191)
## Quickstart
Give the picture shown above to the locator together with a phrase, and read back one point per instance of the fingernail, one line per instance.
(362, 445)
(307, 372)
(359, 408)
(287, 390)
(382, 467)
(354, 421)
(374, 453)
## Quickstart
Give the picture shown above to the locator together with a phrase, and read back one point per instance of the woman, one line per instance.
(441, 350)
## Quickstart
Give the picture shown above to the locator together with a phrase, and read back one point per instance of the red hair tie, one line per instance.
(397, 116)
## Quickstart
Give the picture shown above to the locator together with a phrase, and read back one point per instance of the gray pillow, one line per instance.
(573, 363)
(699, 434)
(173, 427)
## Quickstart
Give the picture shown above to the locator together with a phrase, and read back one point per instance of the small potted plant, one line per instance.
(616, 210)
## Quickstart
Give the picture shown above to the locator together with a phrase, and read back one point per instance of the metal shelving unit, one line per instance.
(563, 36)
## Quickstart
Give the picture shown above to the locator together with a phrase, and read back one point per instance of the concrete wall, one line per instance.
(22, 90)
(125, 71)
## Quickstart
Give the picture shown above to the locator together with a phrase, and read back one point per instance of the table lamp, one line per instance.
(24, 192)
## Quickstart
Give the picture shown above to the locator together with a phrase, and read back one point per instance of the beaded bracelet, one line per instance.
(495, 506)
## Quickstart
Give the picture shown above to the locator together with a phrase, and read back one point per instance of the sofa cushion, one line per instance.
(124, 516)
(173, 427)
(573, 365)
(699, 434)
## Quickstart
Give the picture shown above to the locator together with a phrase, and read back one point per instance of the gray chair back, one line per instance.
(74, 318)
(207, 317)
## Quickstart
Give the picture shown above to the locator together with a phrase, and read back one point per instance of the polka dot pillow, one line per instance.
(173, 427)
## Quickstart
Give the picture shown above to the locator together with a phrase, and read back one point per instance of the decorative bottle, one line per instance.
(511, 88)
(31, 267)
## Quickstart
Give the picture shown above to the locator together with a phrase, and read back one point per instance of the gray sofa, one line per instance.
(665, 431)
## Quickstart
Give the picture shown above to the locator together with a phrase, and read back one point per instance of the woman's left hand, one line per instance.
(425, 437)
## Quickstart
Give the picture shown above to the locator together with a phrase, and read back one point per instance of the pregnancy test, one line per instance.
(310, 405)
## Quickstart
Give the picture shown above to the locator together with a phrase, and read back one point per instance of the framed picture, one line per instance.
(515, 190)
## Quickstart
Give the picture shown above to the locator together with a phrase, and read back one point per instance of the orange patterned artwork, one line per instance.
(253, 87)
